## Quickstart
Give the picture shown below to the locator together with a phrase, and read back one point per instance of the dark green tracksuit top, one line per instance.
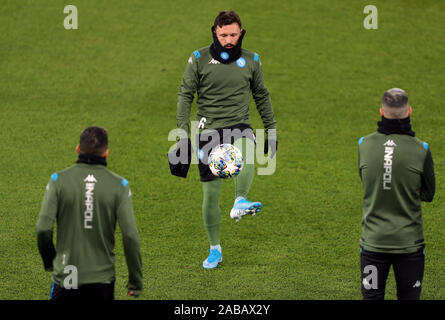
(87, 200)
(397, 174)
(223, 91)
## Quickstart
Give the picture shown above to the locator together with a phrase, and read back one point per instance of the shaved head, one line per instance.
(395, 104)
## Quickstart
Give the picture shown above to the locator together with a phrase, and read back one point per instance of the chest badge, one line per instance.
(241, 62)
(224, 55)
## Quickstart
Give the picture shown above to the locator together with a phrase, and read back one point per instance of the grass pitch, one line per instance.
(122, 68)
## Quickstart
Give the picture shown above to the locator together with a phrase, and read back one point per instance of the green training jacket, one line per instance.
(87, 200)
(223, 91)
(397, 173)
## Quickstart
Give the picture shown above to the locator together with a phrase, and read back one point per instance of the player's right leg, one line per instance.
(61, 294)
(211, 187)
(374, 269)
(211, 214)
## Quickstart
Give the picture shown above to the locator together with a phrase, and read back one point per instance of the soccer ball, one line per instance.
(226, 161)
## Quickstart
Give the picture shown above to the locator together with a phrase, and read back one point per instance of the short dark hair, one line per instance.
(94, 140)
(395, 98)
(225, 18)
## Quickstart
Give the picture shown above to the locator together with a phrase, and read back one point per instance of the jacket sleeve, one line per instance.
(186, 93)
(428, 187)
(360, 141)
(131, 240)
(261, 96)
(45, 224)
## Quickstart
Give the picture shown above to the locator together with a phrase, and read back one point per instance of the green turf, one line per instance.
(121, 69)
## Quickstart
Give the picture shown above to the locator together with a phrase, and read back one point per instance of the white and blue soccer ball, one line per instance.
(226, 161)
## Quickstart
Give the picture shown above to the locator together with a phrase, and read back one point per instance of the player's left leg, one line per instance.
(244, 180)
(408, 271)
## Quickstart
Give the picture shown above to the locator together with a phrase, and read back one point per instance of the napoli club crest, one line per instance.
(224, 55)
(241, 62)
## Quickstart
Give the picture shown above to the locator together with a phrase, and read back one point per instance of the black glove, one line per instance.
(133, 292)
(273, 143)
(179, 159)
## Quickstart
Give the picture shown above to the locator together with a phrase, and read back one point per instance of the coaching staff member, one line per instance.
(87, 200)
(397, 173)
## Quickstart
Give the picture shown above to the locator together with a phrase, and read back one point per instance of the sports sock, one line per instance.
(244, 180)
(238, 199)
(216, 247)
(211, 213)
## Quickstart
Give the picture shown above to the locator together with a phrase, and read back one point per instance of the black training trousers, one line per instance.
(92, 291)
(408, 271)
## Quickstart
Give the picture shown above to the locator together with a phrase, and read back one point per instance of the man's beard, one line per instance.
(224, 54)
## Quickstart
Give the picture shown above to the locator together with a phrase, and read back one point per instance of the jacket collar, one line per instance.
(91, 159)
(398, 126)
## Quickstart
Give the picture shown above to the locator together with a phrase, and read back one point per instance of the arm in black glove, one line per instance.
(271, 142)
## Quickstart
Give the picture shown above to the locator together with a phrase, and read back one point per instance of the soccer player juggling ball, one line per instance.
(223, 75)
(397, 173)
(87, 200)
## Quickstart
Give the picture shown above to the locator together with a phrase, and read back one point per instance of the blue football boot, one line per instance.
(242, 206)
(213, 259)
